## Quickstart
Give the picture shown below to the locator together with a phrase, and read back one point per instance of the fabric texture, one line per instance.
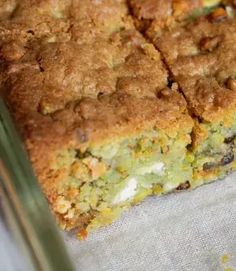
(185, 231)
(192, 231)
(11, 257)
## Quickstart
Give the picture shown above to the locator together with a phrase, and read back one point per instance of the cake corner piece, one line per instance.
(99, 153)
(201, 59)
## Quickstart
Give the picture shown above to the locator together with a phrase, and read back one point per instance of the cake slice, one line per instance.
(201, 58)
(103, 126)
(109, 145)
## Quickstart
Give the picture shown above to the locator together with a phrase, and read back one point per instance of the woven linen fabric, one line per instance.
(11, 258)
(183, 231)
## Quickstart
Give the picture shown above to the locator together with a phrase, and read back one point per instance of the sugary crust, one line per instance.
(163, 9)
(98, 18)
(91, 83)
(158, 15)
(55, 20)
(35, 18)
(44, 17)
(201, 57)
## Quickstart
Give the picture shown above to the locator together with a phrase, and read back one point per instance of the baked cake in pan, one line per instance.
(105, 120)
(202, 59)
(200, 54)
(102, 126)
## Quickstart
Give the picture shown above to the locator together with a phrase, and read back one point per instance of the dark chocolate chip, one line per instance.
(184, 186)
(228, 158)
(230, 139)
(82, 155)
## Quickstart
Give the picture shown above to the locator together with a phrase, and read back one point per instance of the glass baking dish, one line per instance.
(25, 210)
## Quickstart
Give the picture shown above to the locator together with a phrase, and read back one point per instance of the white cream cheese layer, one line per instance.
(128, 192)
(156, 168)
(132, 182)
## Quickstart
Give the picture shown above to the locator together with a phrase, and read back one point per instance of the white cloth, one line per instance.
(10, 255)
(183, 231)
(188, 231)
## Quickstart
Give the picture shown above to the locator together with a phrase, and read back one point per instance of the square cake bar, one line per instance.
(201, 57)
(200, 54)
(103, 125)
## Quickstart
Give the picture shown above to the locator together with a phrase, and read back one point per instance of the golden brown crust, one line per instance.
(157, 15)
(79, 20)
(36, 18)
(199, 53)
(163, 9)
(95, 81)
(91, 19)
(201, 57)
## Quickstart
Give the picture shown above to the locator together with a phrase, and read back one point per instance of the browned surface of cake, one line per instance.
(158, 15)
(200, 54)
(163, 10)
(201, 57)
(77, 74)
(79, 80)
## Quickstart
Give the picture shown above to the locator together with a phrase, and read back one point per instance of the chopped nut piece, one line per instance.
(70, 214)
(12, 51)
(210, 43)
(164, 93)
(218, 15)
(80, 171)
(231, 84)
(61, 205)
(97, 168)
